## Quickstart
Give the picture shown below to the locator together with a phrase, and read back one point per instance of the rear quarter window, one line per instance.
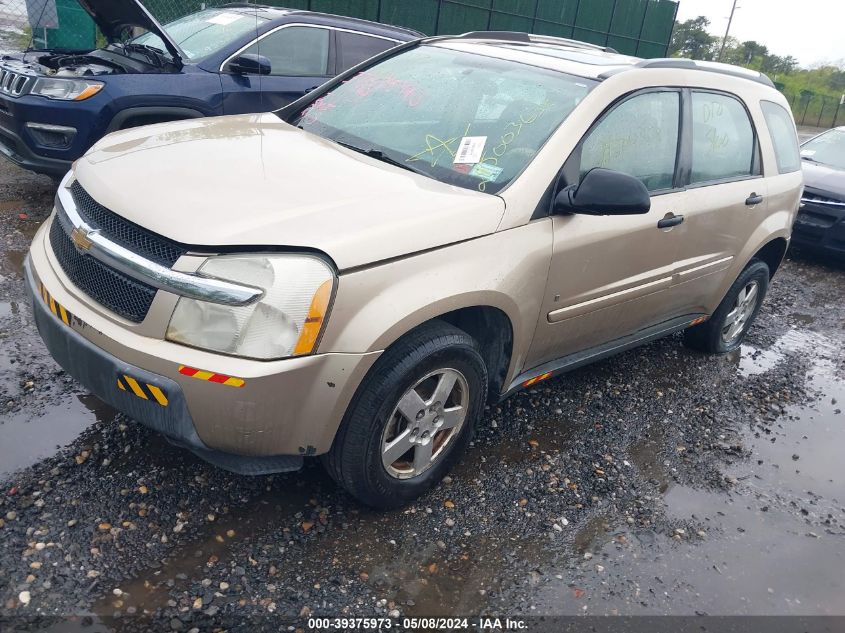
(784, 137)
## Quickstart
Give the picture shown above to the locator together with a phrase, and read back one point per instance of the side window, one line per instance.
(354, 48)
(295, 51)
(784, 137)
(723, 143)
(639, 137)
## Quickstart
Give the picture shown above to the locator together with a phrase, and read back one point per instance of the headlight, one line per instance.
(286, 321)
(65, 89)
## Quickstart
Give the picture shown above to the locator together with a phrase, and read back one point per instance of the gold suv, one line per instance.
(357, 275)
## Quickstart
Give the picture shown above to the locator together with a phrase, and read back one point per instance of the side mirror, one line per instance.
(604, 192)
(250, 64)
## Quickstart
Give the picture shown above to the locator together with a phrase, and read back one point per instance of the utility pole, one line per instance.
(727, 32)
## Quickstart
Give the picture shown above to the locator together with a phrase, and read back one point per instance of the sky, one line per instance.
(810, 30)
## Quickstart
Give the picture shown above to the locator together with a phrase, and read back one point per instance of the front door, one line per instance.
(301, 59)
(610, 275)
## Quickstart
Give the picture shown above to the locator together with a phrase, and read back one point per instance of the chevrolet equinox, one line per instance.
(358, 274)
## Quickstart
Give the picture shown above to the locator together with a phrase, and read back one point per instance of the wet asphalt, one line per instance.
(662, 481)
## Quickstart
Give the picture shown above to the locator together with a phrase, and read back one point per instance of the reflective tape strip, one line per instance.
(209, 376)
(135, 387)
(158, 394)
(536, 379)
(143, 390)
(55, 307)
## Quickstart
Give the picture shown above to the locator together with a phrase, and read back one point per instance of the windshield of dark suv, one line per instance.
(204, 33)
(827, 149)
(458, 117)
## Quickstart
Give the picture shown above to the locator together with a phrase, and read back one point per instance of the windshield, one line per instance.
(201, 34)
(828, 149)
(458, 117)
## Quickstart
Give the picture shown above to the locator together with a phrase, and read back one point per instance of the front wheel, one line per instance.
(412, 417)
(726, 329)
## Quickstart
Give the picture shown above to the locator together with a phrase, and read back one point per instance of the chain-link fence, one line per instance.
(634, 27)
(817, 110)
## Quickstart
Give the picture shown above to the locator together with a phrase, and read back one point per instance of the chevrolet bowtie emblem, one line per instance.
(80, 239)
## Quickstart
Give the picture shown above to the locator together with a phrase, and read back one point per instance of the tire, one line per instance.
(714, 336)
(418, 362)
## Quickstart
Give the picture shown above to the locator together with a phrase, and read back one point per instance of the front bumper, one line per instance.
(289, 407)
(26, 148)
(163, 406)
(13, 147)
(821, 227)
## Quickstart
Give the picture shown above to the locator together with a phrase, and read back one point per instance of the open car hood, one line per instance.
(114, 16)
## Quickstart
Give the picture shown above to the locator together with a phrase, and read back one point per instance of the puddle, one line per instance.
(591, 533)
(12, 262)
(8, 307)
(12, 206)
(752, 361)
(770, 546)
(380, 549)
(803, 451)
(27, 437)
(645, 454)
(211, 552)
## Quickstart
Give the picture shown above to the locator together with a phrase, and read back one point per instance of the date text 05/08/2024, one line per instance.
(414, 624)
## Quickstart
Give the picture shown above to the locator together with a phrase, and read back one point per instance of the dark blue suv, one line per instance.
(234, 59)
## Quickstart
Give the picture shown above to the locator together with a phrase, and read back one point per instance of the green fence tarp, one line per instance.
(634, 27)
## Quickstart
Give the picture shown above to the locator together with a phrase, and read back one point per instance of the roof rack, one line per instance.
(711, 67)
(519, 37)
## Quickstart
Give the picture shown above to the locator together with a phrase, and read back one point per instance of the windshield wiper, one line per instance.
(159, 55)
(380, 155)
(810, 160)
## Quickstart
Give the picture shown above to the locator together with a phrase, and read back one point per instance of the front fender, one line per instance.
(375, 306)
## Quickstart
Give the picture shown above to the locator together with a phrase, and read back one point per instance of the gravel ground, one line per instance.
(661, 481)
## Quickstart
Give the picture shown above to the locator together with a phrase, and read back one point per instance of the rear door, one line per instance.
(727, 196)
(354, 48)
(609, 275)
(302, 57)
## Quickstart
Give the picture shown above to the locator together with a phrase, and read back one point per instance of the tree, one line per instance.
(753, 53)
(777, 65)
(691, 39)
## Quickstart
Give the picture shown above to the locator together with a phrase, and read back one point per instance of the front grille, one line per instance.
(122, 295)
(12, 83)
(118, 292)
(137, 239)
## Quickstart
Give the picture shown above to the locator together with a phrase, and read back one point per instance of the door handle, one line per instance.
(669, 221)
(753, 199)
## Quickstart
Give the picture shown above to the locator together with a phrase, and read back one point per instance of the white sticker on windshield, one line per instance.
(470, 150)
(808, 152)
(224, 19)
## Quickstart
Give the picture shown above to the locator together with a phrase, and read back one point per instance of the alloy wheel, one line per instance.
(736, 321)
(427, 418)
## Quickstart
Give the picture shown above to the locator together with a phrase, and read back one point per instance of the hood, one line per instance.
(824, 178)
(113, 16)
(255, 181)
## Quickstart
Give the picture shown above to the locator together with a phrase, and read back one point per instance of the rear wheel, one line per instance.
(726, 329)
(412, 418)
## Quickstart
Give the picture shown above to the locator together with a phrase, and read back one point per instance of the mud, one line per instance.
(661, 481)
